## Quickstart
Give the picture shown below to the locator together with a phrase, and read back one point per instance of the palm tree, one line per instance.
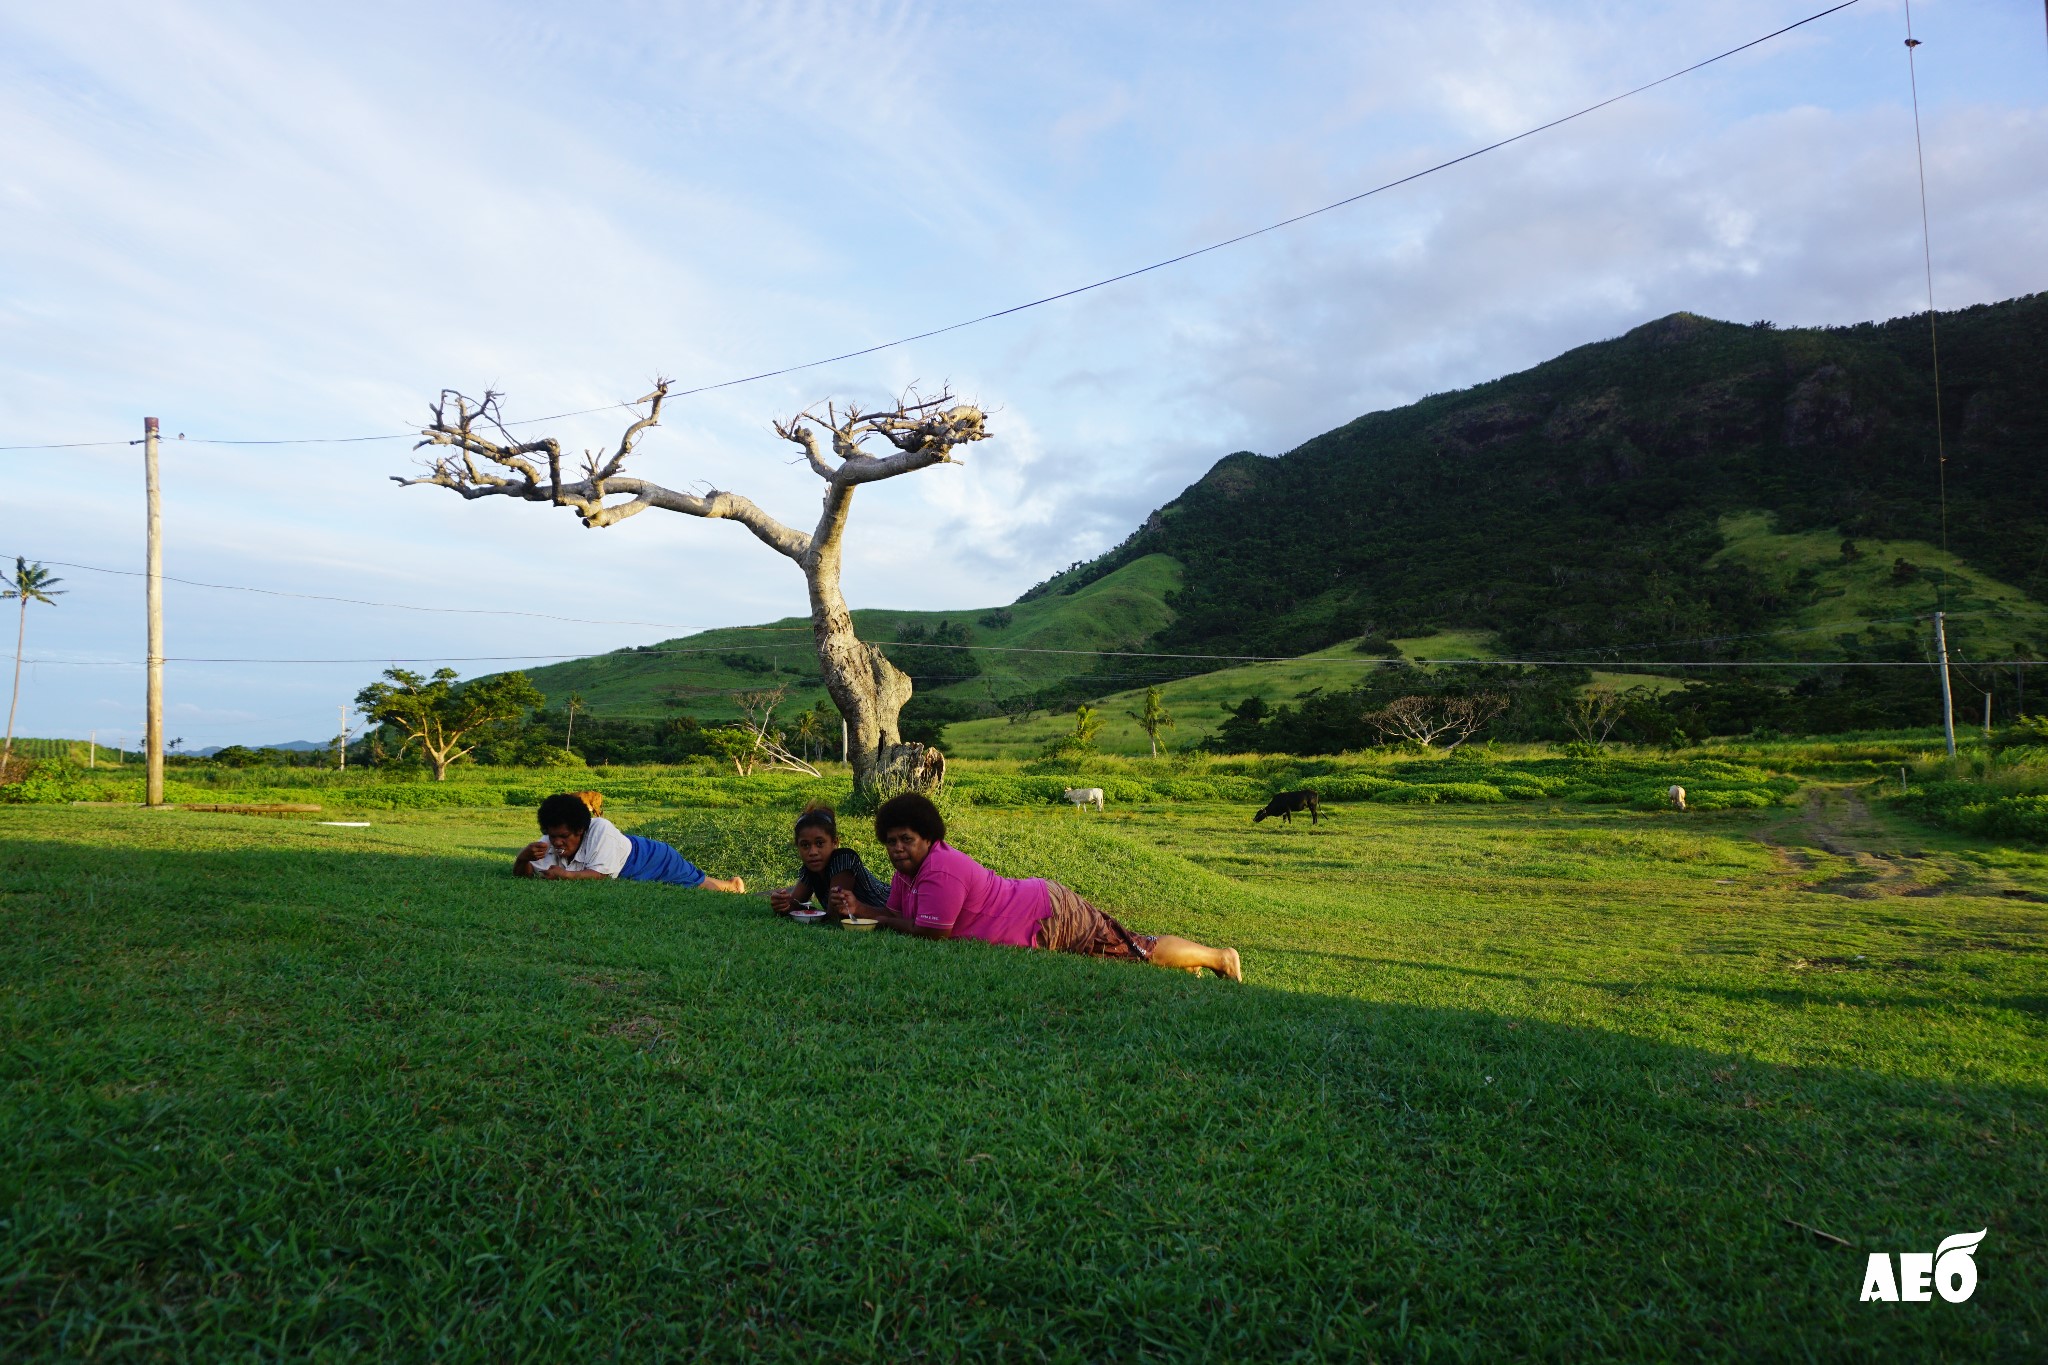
(575, 705)
(1153, 718)
(32, 583)
(810, 730)
(1088, 723)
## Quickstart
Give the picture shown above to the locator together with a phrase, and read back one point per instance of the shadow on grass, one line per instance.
(328, 1099)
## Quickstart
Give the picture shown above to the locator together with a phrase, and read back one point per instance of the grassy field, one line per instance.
(1120, 611)
(1988, 616)
(1525, 1080)
(1197, 705)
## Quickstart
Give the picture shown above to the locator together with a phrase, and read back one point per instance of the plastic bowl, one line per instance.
(856, 923)
(807, 916)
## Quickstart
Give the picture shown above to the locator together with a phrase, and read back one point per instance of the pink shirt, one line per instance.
(952, 891)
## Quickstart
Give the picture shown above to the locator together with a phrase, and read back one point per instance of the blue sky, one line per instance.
(266, 221)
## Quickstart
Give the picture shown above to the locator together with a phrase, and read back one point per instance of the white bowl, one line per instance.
(807, 916)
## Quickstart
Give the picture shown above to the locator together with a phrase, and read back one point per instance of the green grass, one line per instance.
(1993, 616)
(1121, 611)
(1450, 644)
(1507, 1081)
(1197, 705)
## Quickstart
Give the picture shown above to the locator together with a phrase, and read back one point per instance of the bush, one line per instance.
(51, 783)
(1994, 810)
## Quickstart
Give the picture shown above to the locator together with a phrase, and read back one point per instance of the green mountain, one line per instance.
(1578, 506)
(1691, 490)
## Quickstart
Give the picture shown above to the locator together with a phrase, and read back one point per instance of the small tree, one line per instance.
(1430, 717)
(31, 583)
(1088, 724)
(1592, 715)
(1153, 718)
(569, 738)
(439, 717)
(736, 744)
(809, 731)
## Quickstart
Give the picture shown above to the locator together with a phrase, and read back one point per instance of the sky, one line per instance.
(264, 222)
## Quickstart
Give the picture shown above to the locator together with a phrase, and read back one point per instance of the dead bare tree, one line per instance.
(1428, 718)
(759, 709)
(1592, 715)
(485, 460)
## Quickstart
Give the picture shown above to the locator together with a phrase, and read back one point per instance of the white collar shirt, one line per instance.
(605, 848)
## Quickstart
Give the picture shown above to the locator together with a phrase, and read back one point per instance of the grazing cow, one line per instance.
(1082, 796)
(1677, 795)
(592, 801)
(1287, 803)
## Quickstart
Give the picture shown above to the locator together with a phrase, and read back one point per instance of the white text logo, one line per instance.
(1952, 1269)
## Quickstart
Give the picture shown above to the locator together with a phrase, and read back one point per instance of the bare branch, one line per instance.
(515, 476)
(924, 432)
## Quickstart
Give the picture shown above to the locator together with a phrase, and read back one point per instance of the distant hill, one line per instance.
(1579, 505)
(1680, 492)
(296, 746)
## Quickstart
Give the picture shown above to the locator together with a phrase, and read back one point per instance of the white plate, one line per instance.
(807, 916)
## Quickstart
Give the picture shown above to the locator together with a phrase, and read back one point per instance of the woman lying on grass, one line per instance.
(581, 847)
(940, 892)
(827, 868)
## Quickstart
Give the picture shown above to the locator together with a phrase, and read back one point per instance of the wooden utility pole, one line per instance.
(343, 708)
(153, 740)
(1948, 709)
(92, 749)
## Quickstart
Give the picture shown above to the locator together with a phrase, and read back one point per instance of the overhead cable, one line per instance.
(405, 606)
(1112, 279)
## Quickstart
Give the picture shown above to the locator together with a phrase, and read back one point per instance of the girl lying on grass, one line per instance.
(827, 868)
(580, 847)
(940, 892)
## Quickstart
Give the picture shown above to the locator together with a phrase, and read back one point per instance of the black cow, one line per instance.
(1287, 803)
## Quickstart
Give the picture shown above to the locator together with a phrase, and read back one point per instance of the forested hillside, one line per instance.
(1577, 505)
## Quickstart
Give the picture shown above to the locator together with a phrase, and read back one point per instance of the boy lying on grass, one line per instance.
(582, 847)
(828, 868)
(940, 892)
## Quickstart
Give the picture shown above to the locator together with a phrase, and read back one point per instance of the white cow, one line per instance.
(1678, 798)
(1082, 796)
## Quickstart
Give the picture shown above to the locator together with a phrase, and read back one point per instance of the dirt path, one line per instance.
(1836, 836)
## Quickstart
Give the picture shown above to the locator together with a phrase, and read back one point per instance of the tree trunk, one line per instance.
(439, 763)
(869, 691)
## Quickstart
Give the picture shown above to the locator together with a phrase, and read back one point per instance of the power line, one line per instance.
(1933, 341)
(1096, 284)
(408, 606)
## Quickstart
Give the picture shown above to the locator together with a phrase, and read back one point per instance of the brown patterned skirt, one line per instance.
(1072, 925)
